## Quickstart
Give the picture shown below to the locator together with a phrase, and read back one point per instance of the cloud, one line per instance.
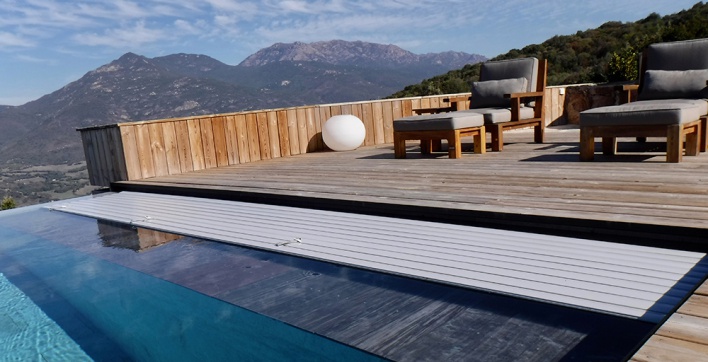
(8, 40)
(123, 37)
(31, 59)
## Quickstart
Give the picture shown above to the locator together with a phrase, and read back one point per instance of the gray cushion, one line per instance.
(665, 84)
(439, 122)
(500, 115)
(513, 68)
(491, 93)
(679, 55)
(651, 112)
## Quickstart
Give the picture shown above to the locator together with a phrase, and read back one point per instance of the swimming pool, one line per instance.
(80, 301)
(104, 291)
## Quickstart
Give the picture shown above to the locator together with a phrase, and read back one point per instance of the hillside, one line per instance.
(607, 53)
(136, 88)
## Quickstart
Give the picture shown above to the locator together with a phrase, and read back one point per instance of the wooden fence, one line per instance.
(139, 150)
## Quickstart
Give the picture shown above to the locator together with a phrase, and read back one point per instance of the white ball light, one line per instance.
(343, 133)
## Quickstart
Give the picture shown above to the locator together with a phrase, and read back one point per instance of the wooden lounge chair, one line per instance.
(509, 95)
(672, 94)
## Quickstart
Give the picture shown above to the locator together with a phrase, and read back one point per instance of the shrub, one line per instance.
(8, 203)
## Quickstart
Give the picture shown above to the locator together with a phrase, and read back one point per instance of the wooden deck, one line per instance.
(633, 197)
(684, 336)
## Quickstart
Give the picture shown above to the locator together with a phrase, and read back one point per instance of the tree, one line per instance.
(8, 203)
(623, 65)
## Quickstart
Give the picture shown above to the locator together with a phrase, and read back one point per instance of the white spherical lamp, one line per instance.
(343, 133)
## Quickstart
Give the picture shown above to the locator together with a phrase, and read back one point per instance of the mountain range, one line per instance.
(137, 88)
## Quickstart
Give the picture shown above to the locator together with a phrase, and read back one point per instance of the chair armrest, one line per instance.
(420, 111)
(454, 106)
(457, 99)
(458, 103)
(524, 95)
(627, 90)
(516, 103)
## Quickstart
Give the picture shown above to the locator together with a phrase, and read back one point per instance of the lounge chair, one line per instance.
(509, 95)
(672, 96)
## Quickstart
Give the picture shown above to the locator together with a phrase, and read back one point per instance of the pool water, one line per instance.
(27, 333)
(66, 296)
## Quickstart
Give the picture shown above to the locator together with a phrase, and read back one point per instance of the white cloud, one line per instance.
(123, 37)
(235, 7)
(8, 40)
(31, 59)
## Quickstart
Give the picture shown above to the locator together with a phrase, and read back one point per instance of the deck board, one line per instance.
(684, 336)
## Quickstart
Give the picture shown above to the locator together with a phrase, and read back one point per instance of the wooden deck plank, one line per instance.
(663, 349)
(685, 327)
(696, 306)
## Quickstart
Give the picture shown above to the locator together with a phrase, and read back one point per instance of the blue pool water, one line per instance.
(64, 296)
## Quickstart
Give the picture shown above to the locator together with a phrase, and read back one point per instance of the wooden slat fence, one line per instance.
(140, 150)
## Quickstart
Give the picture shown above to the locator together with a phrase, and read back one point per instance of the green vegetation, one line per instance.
(8, 203)
(606, 54)
(41, 184)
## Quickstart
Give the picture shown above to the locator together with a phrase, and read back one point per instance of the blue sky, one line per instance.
(46, 44)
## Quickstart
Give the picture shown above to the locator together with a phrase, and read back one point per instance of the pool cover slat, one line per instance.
(633, 281)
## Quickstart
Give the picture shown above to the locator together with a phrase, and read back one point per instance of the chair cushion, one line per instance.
(651, 112)
(500, 115)
(512, 68)
(491, 93)
(439, 122)
(665, 84)
(678, 55)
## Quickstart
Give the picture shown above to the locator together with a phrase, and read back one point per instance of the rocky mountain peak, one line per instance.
(357, 53)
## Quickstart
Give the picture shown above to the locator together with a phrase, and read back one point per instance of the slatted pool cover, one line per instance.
(633, 281)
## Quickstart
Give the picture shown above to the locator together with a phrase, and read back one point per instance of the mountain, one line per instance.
(608, 53)
(136, 88)
(357, 53)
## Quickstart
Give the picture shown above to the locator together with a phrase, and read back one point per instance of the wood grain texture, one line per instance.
(196, 145)
(301, 120)
(169, 136)
(686, 328)
(244, 153)
(283, 133)
(254, 145)
(157, 147)
(130, 151)
(294, 137)
(184, 146)
(696, 306)
(147, 168)
(209, 147)
(663, 349)
(263, 135)
(220, 144)
(231, 140)
(273, 134)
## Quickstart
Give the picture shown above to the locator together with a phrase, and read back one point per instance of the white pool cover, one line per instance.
(633, 281)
